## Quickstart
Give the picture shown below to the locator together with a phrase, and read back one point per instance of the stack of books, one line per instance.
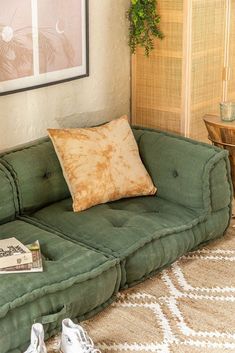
(15, 257)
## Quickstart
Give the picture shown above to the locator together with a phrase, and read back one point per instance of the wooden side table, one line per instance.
(222, 134)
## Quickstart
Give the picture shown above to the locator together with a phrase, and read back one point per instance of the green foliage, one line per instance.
(144, 22)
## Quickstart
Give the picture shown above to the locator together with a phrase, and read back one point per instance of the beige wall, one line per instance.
(104, 95)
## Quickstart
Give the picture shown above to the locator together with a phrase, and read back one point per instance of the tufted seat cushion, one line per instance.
(76, 282)
(146, 233)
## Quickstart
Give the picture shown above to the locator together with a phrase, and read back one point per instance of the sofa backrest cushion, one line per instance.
(188, 172)
(37, 174)
(8, 197)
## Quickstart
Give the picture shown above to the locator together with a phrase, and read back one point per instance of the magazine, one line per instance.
(34, 266)
(13, 253)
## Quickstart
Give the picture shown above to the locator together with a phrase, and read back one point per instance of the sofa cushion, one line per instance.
(187, 172)
(133, 230)
(8, 196)
(101, 164)
(169, 159)
(37, 174)
(76, 282)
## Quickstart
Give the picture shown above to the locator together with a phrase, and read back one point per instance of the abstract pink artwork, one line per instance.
(60, 34)
(16, 45)
(42, 42)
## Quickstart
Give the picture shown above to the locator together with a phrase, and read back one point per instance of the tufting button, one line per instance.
(47, 175)
(117, 223)
(175, 173)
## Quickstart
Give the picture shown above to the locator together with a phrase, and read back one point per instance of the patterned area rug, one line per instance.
(188, 308)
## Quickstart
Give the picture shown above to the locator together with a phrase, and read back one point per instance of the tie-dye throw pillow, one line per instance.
(101, 164)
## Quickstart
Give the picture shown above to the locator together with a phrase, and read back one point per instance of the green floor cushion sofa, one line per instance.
(89, 256)
(77, 282)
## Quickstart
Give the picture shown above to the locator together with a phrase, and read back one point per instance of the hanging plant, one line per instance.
(144, 22)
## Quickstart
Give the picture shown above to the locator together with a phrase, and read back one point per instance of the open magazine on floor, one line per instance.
(34, 266)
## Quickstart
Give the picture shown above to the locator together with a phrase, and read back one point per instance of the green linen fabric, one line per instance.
(89, 255)
(193, 181)
(76, 282)
(8, 196)
(160, 253)
(187, 172)
(146, 233)
(37, 173)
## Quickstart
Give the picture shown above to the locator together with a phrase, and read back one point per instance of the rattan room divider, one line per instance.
(190, 71)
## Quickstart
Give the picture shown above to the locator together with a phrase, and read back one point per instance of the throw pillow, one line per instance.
(101, 164)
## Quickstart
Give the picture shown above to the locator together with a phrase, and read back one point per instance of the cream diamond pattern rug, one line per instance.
(188, 308)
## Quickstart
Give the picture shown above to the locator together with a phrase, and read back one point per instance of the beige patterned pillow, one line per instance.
(101, 164)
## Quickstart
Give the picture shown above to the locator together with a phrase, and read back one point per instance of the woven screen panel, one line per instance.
(208, 27)
(158, 79)
(161, 91)
(158, 97)
(170, 5)
(231, 83)
(165, 120)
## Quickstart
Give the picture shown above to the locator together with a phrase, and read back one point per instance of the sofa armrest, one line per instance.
(187, 172)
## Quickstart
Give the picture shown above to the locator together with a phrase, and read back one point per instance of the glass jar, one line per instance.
(227, 111)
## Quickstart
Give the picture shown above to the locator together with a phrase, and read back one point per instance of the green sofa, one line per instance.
(91, 255)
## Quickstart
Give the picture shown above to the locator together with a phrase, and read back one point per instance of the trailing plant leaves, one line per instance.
(144, 22)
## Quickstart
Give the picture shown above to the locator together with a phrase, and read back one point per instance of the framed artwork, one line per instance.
(42, 42)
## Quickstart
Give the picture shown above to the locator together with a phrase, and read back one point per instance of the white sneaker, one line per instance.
(75, 340)
(37, 340)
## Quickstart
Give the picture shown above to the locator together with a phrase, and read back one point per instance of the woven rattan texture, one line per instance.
(231, 83)
(158, 79)
(208, 26)
(159, 94)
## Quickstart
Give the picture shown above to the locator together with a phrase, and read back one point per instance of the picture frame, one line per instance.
(42, 43)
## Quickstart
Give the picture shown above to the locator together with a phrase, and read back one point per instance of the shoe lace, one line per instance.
(90, 349)
(87, 343)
